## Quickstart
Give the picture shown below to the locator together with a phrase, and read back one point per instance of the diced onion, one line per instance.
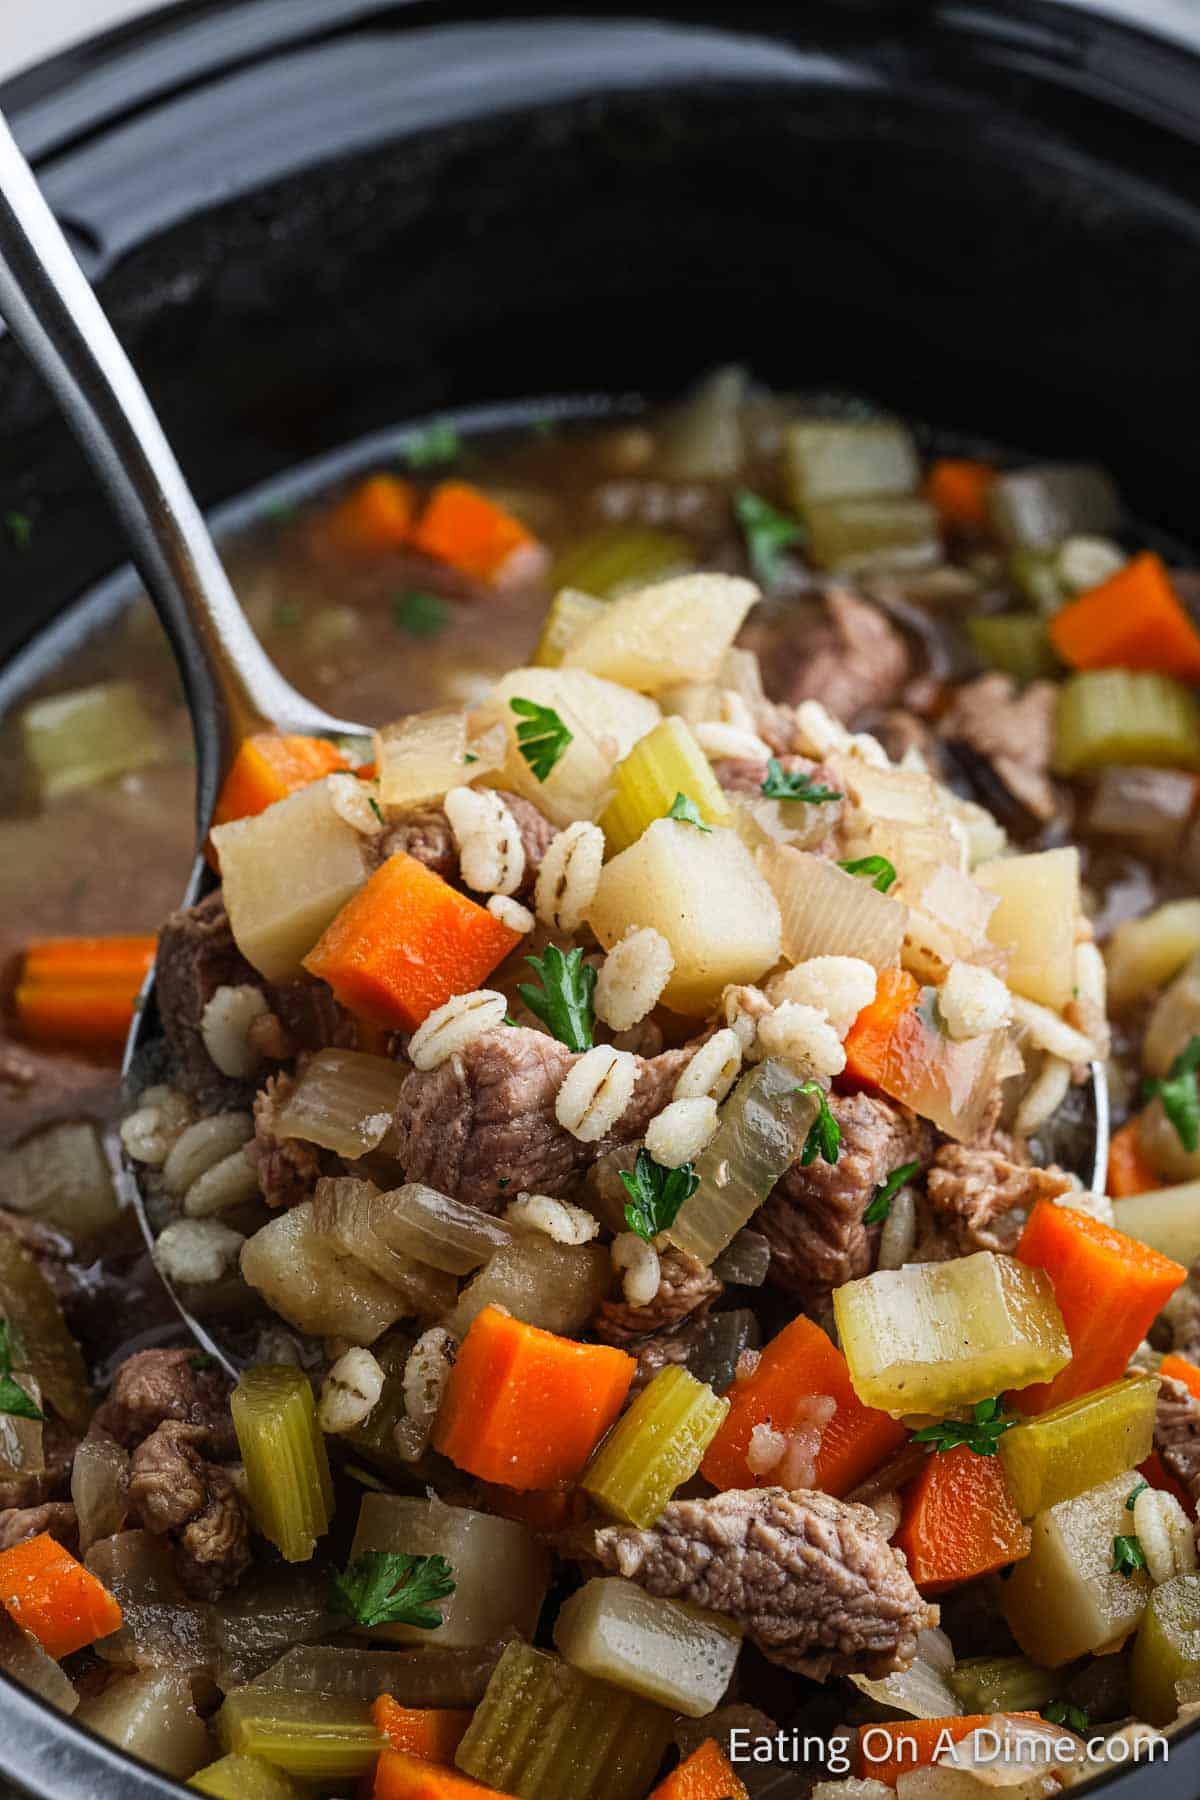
(921, 1691)
(343, 1100)
(826, 912)
(355, 1217)
(420, 758)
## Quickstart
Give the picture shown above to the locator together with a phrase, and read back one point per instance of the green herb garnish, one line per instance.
(880, 871)
(1128, 1555)
(385, 1587)
(885, 1193)
(1131, 1497)
(13, 1398)
(542, 738)
(768, 533)
(375, 807)
(655, 1194)
(1178, 1093)
(687, 813)
(420, 614)
(19, 527)
(564, 1000)
(779, 785)
(438, 443)
(824, 1134)
(980, 1433)
(1061, 1712)
(200, 1361)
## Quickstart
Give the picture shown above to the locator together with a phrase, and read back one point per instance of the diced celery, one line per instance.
(655, 1447)
(666, 762)
(1065, 1598)
(764, 1125)
(619, 558)
(993, 1684)
(545, 1731)
(1166, 1649)
(932, 1336)
(1035, 574)
(853, 536)
(1060, 1453)
(1015, 643)
(1038, 508)
(679, 1656)
(287, 1470)
(1125, 716)
(568, 612)
(236, 1777)
(78, 739)
(316, 1737)
(845, 459)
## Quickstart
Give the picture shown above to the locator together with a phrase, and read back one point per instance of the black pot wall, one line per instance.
(311, 219)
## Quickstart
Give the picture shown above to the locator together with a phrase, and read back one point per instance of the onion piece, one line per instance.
(23, 1659)
(555, 1286)
(422, 757)
(949, 1082)
(921, 1691)
(826, 912)
(344, 1100)
(353, 1216)
(161, 1628)
(99, 1475)
(433, 1676)
(150, 1715)
(438, 1230)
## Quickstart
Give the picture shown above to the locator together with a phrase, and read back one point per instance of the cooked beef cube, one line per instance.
(57, 1517)
(980, 1199)
(1011, 734)
(154, 1386)
(424, 833)
(685, 1286)
(174, 1489)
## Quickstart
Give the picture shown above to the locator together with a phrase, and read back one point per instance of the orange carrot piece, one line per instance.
(869, 1043)
(959, 1520)
(406, 943)
(462, 527)
(704, 1775)
(81, 990)
(431, 1733)
(1109, 1289)
(374, 517)
(1155, 1471)
(958, 488)
(1128, 1170)
(399, 1776)
(269, 767)
(798, 1365)
(1135, 620)
(526, 1408)
(1180, 1369)
(52, 1595)
(886, 1751)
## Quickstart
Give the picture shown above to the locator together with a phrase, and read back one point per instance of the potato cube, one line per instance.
(1035, 921)
(1065, 1598)
(676, 630)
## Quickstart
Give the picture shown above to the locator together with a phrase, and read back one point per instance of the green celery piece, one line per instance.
(1166, 1649)
(1015, 643)
(877, 532)
(1128, 717)
(847, 459)
(665, 763)
(654, 1447)
(620, 558)
(283, 1450)
(237, 1777)
(1057, 1454)
(316, 1737)
(992, 1684)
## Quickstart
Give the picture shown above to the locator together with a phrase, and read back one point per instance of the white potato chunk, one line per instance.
(1035, 921)
(676, 630)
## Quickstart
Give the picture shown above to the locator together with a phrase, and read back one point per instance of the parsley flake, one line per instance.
(687, 813)
(655, 1194)
(779, 785)
(981, 1432)
(1061, 1712)
(419, 614)
(881, 872)
(564, 1000)
(768, 533)
(824, 1134)
(19, 527)
(542, 738)
(1128, 1555)
(885, 1193)
(1131, 1498)
(200, 1361)
(438, 443)
(383, 1587)
(375, 807)
(1180, 1098)
(13, 1398)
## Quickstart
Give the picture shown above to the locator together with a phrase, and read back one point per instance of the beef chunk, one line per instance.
(196, 956)
(424, 833)
(1012, 734)
(811, 1579)
(175, 1490)
(155, 1386)
(813, 1220)
(685, 1286)
(1177, 1433)
(56, 1517)
(288, 1168)
(979, 1199)
(854, 662)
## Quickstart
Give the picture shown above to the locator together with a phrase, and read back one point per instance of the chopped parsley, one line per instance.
(286, 614)
(1178, 1093)
(19, 527)
(878, 869)
(201, 1361)
(1061, 1712)
(385, 1587)
(420, 614)
(375, 807)
(470, 757)
(13, 1398)
(542, 738)
(438, 443)
(779, 785)
(1131, 1497)
(687, 813)
(885, 1193)
(655, 1194)
(563, 1002)
(981, 1432)
(768, 533)
(1128, 1556)
(824, 1134)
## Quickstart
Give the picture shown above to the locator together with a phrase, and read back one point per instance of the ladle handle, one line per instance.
(231, 684)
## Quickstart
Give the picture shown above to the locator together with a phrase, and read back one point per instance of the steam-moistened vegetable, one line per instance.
(675, 630)
(268, 767)
(283, 1452)
(1167, 1219)
(1119, 716)
(1134, 620)
(876, 532)
(1015, 643)
(826, 912)
(299, 1264)
(237, 1777)
(150, 1715)
(342, 1100)
(678, 1656)
(994, 1684)
(1166, 1649)
(431, 1733)
(705, 1775)
(1039, 508)
(89, 735)
(546, 1731)
(933, 1336)
(654, 1448)
(959, 1520)
(1143, 954)
(605, 721)
(555, 1286)
(568, 612)
(420, 758)
(836, 459)
(1035, 921)
(314, 1737)
(48, 1593)
(1056, 1455)
(897, 1044)
(1065, 1598)
(439, 1231)
(666, 763)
